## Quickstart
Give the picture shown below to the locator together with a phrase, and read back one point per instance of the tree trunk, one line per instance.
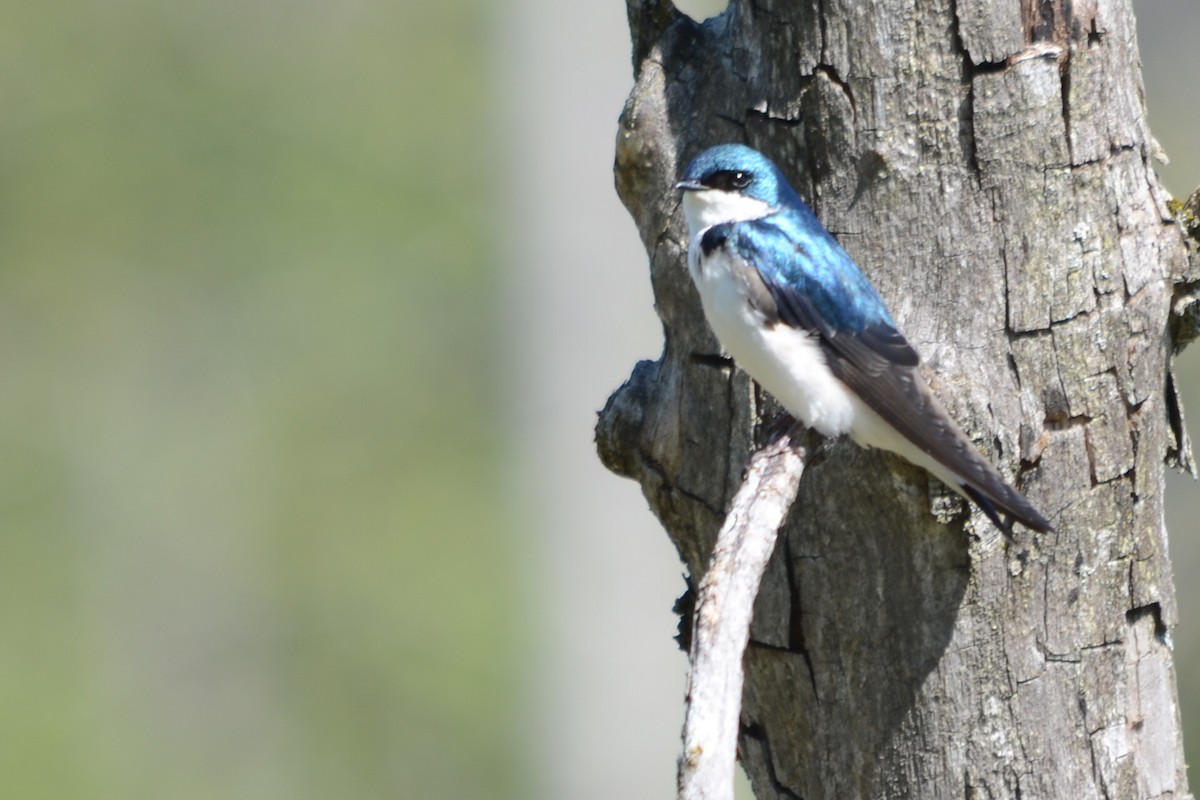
(988, 165)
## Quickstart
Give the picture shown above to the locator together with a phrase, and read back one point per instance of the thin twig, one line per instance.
(724, 609)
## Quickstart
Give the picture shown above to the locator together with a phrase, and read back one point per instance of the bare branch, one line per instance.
(724, 610)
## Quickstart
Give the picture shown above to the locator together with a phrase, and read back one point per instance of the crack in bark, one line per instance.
(711, 360)
(696, 498)
(774, 119)
(1183, 325)
(830, 72)
(796, 639)
(759, 734)
(1154, 610)
(1064, 78)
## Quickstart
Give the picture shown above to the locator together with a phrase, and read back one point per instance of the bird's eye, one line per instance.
(730, 180)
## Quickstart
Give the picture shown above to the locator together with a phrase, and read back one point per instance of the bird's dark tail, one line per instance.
(1016, 507)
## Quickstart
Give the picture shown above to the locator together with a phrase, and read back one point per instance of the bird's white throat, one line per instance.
(707, 207)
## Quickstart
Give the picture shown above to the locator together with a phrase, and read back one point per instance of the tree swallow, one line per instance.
(795, 312)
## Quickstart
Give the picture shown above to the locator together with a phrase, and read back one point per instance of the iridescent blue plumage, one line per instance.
(789, 252)
(795, 311)
(791, 247)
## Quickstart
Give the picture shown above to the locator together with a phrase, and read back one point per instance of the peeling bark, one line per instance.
(989, 166)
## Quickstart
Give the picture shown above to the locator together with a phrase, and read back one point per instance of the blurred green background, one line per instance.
(249, 418)
(265, 531)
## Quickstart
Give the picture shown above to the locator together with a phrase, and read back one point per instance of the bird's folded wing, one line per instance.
(866, 351)
(899, 394)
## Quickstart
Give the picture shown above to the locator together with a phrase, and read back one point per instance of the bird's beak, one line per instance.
(689, 186)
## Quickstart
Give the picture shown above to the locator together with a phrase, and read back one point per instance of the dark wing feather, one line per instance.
(899, 394)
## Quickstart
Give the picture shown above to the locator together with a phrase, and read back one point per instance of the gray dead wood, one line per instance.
(988, 164)
(724, 608)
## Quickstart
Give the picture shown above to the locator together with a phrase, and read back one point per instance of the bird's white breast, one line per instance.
(785, 361)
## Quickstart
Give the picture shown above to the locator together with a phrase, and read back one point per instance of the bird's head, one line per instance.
(731, 183)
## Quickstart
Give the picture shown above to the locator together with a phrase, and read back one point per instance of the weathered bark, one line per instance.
(988, 164)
